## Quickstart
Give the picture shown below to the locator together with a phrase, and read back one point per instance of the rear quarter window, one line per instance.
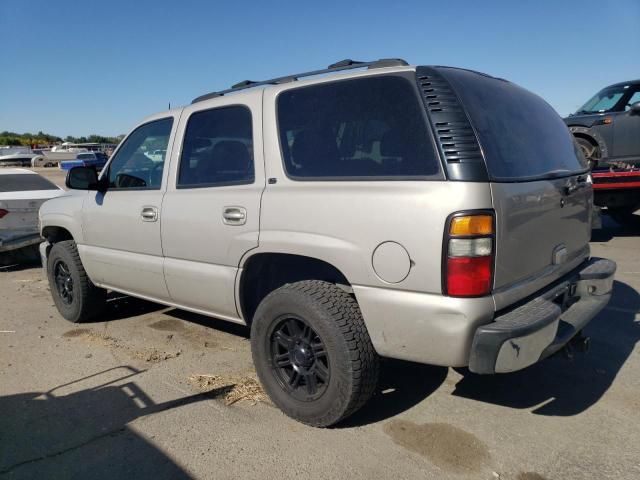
(365, 128)
(522, 136)
(21, 182)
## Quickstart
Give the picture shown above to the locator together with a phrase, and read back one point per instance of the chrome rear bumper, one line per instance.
(544, 324)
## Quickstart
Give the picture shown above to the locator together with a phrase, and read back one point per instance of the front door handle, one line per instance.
(149, 214)
(234, 215)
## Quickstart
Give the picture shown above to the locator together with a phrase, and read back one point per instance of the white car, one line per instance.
(44, 161)
(21, 194)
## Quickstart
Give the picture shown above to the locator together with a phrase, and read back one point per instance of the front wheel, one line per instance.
(313, 353)
(590, 151)
(75, 296)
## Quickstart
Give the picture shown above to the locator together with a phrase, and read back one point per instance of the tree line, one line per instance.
(41, 138)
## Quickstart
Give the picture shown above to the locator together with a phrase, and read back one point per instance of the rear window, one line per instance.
(19, 182)
(522, 136)
(371, 128)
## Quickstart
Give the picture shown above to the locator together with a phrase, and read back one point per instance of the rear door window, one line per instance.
(365, 128)
(217, 148)
(522, 136)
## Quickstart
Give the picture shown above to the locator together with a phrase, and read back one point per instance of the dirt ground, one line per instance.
(155, 392)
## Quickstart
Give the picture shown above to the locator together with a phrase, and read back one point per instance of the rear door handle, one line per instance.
(149, 214)
(234, 215)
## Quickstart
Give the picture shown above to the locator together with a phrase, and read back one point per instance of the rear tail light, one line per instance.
(3, 212)
(469, 248)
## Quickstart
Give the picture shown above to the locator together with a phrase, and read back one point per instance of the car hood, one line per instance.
(585, 120)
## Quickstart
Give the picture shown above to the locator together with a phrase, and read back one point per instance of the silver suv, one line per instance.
(367, 210)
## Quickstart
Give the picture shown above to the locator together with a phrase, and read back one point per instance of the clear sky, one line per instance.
(82, 67)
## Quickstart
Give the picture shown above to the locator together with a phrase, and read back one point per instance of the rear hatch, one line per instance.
(540, 187)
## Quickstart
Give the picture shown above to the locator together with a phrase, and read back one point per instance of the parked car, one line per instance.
(607, 127)
(101, 157)
(85, 159)
(18, 159)
(43, 161)
(21, 194)
(393, 210)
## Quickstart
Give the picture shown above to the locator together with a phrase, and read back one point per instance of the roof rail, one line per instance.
(346, 64)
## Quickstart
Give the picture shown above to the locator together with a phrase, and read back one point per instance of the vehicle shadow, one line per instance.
(121, 306)
(84, 434)
(210, 322)
(611, 229)
(21, 259)
(402, 385)
(557, 387)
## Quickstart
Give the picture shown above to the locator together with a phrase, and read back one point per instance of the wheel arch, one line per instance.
(592, 136)
(54, 234)
(263, 272)
(59, 226)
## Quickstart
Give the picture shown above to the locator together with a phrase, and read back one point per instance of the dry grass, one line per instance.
(234, 388)
(154, 355)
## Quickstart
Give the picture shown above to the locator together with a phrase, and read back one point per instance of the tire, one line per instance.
(75, 296)
(336, 338)
(625, 215)
(591, 152)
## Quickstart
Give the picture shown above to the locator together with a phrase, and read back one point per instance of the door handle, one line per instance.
(234, 215)
(149, 214)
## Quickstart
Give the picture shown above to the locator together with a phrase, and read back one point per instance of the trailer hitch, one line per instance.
(579, 342)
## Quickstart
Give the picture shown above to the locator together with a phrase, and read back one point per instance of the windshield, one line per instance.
(603, 101)
(20, 182)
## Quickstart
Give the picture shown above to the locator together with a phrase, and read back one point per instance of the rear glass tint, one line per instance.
(522, 136)
(19, 182)
(371, 128)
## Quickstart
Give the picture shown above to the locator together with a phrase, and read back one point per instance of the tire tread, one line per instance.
(363, 368)
(92, 298)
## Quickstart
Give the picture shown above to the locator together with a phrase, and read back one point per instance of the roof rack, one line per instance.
(346, 64)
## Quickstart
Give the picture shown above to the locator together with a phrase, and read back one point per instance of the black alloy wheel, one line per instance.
(63, 281)
(299, 358)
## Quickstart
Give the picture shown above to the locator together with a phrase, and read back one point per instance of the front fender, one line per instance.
(63, 212)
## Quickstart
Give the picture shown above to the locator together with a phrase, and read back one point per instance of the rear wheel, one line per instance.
(590, 150)
(75, 296)
(312, 352)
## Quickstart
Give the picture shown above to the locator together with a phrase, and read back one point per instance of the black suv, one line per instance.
(607, 127)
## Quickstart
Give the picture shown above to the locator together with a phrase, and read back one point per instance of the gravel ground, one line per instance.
(155, 392)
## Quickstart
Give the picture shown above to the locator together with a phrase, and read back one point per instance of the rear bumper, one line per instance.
(19, 240)
(543, 325)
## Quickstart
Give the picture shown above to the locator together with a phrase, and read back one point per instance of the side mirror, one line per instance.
(635, 108)
(84, 178)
